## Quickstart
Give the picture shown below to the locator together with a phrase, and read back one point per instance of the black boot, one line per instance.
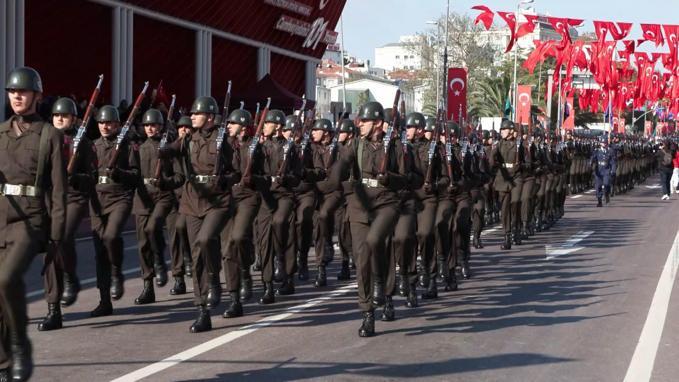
(257, 266)
(517, 236)
(188, 271)
(466, 270)
(161, 274)
(105, 308)
(367, 328)
(321, 278)
(52, 320)
(451, 282)
(179, 286)
(245, 286)
(236, 308)
(303, 265)
(524, 231)
(71, 289)
(507, 245)
(598, 203)
(287, 288)
(432, 291)
(117, 286)
(4, 375)
(424, 279)
(476, 241)
(22, 358)
(378, 293)
(148, 295)
(268, 297)
(279, 269)
(403, 286)
(608, 198)
(538, 224)
(344, 273)
(443, 269)
(214, 295)
(388, 313)
(203, 323)
(411, 300)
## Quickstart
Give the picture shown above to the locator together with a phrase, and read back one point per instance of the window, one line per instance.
(398, 57)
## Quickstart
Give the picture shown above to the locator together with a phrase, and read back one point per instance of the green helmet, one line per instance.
(218, 119)
(322, 124)
(416, 119)
(347, 126)
(24, 78)
(371, 111)
(275, 116)
(205, 104)
(507, 124)
(430, 124)
(241, 117)
(64, 106)
(486, 134)
(292, 122)
(454, 128)
(184, 120)
(389, 115)
(152, 117)
(108, 113)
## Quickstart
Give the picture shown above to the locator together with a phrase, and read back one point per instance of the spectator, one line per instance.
(665, 157)
(675, 175)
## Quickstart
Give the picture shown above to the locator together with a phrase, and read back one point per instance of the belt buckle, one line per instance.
(104, 180)
(12, 189)
(148, 181)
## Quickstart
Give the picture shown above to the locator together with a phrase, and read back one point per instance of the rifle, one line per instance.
(432, 149)
(83, 125)
(255, 140)
(163, 142)
(449, 153)
(257, 115)
(126, 127)
(333, 143)
(222, 129)
(306, 128)
(386, 140)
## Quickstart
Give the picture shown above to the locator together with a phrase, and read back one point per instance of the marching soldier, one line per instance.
(347, 130)
(528, 190)
(372, 205)
(211, 168)
(505, 159)
(32, 211)
(110, 208)
(478, 193)
(153, 202)
(460, 227)
(603, 164)
(61, 281)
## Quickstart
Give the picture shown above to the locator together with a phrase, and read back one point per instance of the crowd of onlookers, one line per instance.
(668, 158)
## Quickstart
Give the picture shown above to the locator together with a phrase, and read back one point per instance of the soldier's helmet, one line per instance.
(371, 111)
(416, 119)
(64, 105)
(184, 121)
(486, 134)
(152, 117)
(347, 126)
(292, 122)
(108, 113)
(322, 124)
(507, 124)
(204, 104)
(454, 128)
(389, 115)
(218, 119)
(240, 117)
(24, 78)
(275, 116)
(430, 124)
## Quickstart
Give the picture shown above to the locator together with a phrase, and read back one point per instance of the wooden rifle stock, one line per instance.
(126, 127)
(222, 129)
(70, 168)
(255, 140)
(389, 134)
(159, 162)
(432, 149)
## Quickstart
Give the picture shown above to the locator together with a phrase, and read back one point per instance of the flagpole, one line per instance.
(559, 117)
(516, 55)
(344, 84)
(444, 95)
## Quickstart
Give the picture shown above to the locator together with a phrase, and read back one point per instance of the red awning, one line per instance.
(281, 98)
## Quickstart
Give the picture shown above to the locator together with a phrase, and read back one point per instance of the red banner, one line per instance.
(457, 94)
(569, 114)
(523, 103)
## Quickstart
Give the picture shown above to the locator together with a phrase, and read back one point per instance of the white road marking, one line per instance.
(576, 196)
(641, 365)
(91, 280)
(653, 186)
(567, 247)
(590, 191)
(228, 337)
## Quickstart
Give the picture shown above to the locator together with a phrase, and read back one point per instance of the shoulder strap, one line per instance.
(42, 154)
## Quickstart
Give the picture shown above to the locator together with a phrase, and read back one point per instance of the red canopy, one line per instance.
(281, 98)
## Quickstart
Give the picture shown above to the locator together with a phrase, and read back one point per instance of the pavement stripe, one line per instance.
(576, 196)
(641, 366)
(590, 191)
(228, 337)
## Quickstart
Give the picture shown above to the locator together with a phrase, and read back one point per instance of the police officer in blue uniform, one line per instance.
(603, 164)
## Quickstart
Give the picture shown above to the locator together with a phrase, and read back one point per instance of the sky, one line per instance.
(372, 23)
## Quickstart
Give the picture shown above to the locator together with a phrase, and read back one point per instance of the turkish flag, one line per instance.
(569, 114)
(486, 16)
(672, 36)
(528, 27)
(629, 46)
(561, 26)
(619, 30)
(523, 103)
(457, 94)
(510, 19)
(653, 32)
(542, 51)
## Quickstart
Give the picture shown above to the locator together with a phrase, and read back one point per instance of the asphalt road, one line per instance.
(571, 304)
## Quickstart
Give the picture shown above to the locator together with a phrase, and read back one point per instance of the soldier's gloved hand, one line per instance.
(322, 174)
(428, 188)
(114, 174)
(452, 189)
(246, 181)
(383, 179)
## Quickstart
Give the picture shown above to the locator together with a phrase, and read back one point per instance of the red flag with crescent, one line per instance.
(672, 38)
(457, 94)
(653, 32)
(523, 104)
(486, 16)
(528, 27)
(510, 19)
(569, 122)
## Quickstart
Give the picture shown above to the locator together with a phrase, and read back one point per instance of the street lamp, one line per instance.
(436, 66)
(516, 53)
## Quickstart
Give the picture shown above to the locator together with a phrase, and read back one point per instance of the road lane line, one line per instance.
(641, 366)
(228, 337)
(576, 196)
